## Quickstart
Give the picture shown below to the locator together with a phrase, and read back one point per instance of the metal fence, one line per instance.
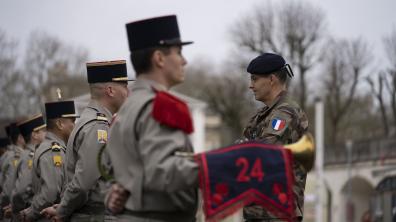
(362, 151)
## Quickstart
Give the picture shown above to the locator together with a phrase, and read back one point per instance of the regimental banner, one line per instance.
(238, 175)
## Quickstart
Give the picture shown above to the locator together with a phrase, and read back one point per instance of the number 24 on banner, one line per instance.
(255, 172)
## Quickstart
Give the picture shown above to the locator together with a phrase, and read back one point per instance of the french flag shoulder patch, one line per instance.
(278, 124)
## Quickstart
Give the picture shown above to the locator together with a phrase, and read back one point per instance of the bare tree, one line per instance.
(225, 92)
(11, 80)
(390, 48)
(50, 63)
(294, 29)
(391, 87)
(379, 95)
(345, 62)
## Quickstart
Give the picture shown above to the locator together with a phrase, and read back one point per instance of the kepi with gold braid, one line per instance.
(34, 123)
(107, 71)
(60, 109)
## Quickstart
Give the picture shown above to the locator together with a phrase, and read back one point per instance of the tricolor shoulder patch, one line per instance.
(278, 124)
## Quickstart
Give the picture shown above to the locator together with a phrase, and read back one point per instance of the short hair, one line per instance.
(28, 137)
(14, 134)
(96, 90)
(141, 59)
(51, 124)
(282, 75)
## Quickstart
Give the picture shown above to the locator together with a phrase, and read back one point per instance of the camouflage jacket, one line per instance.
(282, 122)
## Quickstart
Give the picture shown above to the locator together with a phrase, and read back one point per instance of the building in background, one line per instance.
(367, 193)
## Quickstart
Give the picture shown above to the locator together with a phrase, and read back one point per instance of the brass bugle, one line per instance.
(304, 151)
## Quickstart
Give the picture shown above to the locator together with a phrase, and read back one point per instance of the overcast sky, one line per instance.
(99, 25)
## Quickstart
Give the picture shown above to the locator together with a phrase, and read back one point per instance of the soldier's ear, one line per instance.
(59, 124)
(157, 59)
(109, 90)
(273, 79)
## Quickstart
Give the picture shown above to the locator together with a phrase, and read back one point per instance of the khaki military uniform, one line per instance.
(22, 193)
(3, 159)
(83, 195)
(48, 175)
(260, 128)
(162, 186)
(9, 168)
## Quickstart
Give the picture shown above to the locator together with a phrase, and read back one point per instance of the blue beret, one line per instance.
(265, 64)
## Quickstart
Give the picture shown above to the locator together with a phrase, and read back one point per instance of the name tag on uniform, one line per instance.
(102, 136)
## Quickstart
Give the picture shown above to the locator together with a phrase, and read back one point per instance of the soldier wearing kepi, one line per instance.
(33, 131)
(9, 167)
(154, 182)
(83, 196)
(48, 174)
(280, 121)
(4, 148)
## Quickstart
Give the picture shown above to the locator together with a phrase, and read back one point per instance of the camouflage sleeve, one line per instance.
(86, 171)
(50, 185)
(278, 127)
(163, 170)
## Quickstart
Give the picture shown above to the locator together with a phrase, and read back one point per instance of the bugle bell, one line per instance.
(304, 151)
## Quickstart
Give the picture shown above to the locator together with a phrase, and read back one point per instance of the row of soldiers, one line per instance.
(55, 175)
(36, 167)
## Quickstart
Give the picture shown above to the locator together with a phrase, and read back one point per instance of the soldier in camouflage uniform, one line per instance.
(33, 131)
(83, 196)
(280, 121)
(48, 174)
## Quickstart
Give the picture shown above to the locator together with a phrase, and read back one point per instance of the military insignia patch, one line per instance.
(238, 175)
(57, 160)
(30, 163)
(278, 124)
(102, 136)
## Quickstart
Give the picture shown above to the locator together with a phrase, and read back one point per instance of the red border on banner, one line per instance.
(249, 196)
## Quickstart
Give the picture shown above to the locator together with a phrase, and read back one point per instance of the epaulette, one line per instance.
(101, 117)
(173, 112)
(55, 147)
